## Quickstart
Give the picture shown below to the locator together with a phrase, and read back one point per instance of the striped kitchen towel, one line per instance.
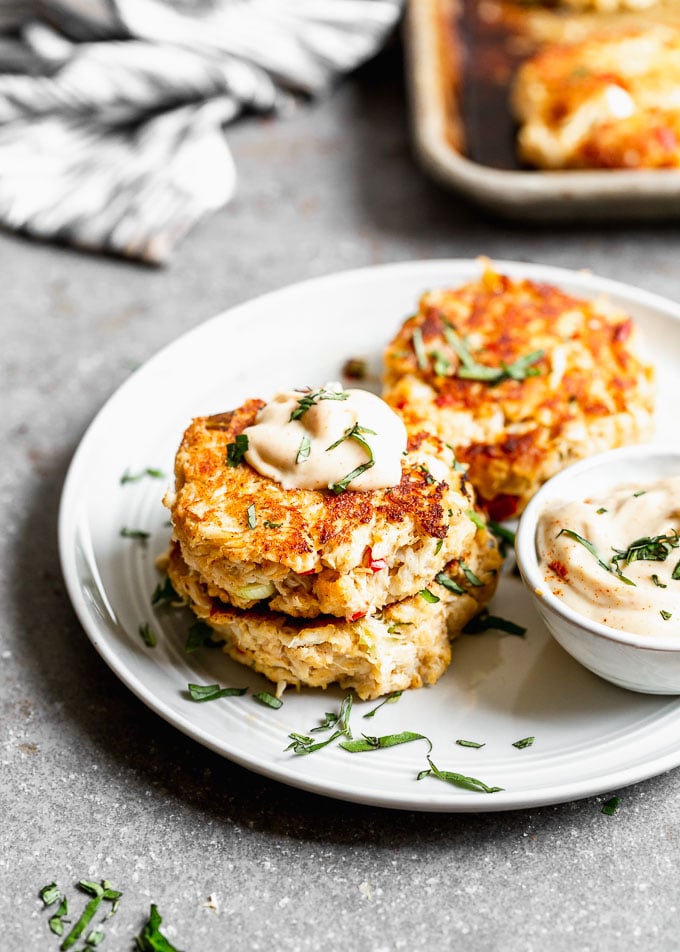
(112, 111)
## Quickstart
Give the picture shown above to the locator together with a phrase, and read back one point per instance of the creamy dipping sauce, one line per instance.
(317, 439)
(628, 526)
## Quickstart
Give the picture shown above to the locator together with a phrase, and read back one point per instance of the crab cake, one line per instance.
(609, 101)
(521, 379)
(404, 645)
(306, 552)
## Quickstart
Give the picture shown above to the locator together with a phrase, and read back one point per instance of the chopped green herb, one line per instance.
(611, 806)
(237, 450)
(440, 364)
(364, 743)
(135, 534)
(147, 636)
(307, 401)
(469, 743)
(470, 369)
(449, 583)
(330, 720)
(505, 535)
(475, 518)
(252, 516)
(600, 511)
(457, 779)
(647, 549)
(657, 581)
(337, 488)
(200, 636)
(470, 576)
(357, 434)
(151, 939)
(640, 492)
(596, 555)
(301, 744)
(264, 697)
(56, 921)
(676, 572)
(94, 938)
(524, 742)
(211, 692)
(419, 349)
(164, 592)
(666, 615)
(394, 628)
(428, 596)
(98, 891)
(429, 478)
(305, 449)
(486, 622)
(271, 525)
(438, 547)
(50, 894)
(390, 699)
(129, 477)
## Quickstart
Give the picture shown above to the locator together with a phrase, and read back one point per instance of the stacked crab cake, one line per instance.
(521, 379)
(346, 581)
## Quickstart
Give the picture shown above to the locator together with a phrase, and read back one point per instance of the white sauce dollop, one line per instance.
(632, 512)
(297, 453)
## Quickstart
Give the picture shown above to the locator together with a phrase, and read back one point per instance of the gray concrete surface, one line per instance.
(92, 784)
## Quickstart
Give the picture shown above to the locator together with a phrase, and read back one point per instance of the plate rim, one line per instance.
(446, 801)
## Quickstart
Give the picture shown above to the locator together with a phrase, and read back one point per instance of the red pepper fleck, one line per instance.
(623, 331)
(310, 572)
(357, 615)
(377, 565)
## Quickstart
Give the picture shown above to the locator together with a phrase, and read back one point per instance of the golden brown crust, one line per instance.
(590, 391)
(316, 552)
(405, 645)
(609, 101)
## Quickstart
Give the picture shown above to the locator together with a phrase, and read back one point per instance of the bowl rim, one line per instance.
(527, 558)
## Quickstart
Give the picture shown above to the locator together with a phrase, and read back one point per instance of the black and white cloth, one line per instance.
(112, 111)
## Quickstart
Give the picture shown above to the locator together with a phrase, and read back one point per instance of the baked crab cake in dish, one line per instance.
(317, 503)
(609, 101)
(404, 645)
(521, 379)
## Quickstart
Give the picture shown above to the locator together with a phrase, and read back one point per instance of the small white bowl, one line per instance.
(637, 662)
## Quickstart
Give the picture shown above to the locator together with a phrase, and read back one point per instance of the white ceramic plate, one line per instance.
(590, 737)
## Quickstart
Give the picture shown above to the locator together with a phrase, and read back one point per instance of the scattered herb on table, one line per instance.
(524, 742)
(151, 939)
(56, 921)
(50, 894)
(211, 692)
(611, 806)
(390, 699)
(99, 892)
(469, 743)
